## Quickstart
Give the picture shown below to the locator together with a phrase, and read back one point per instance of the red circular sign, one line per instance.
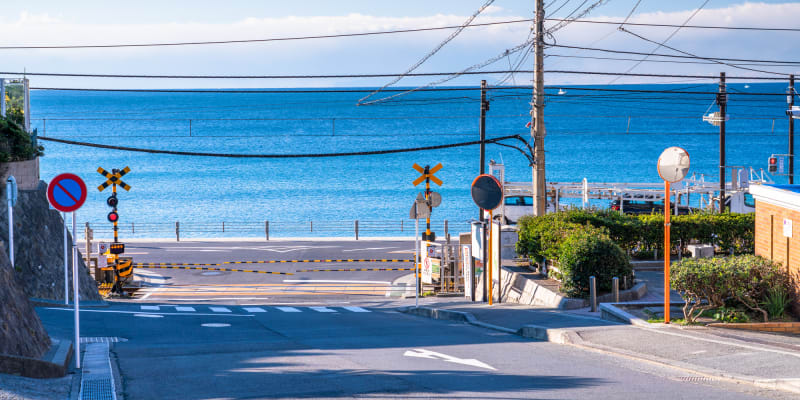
(66, 192)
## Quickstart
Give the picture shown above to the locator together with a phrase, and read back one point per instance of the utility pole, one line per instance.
(482, 130)
(722, 100)
(537, 114)
(790, 101)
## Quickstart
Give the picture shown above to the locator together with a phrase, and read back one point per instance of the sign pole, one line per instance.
(10, 224)
(666, 251)
(75, 296)
(489, 261)
(66, 260)
(416, 262)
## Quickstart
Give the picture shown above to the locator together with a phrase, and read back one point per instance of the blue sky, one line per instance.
(101, 22)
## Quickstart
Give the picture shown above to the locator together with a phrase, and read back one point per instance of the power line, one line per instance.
(325, 76)
(432, 52)
(214, 42)
(310, 155)
(740, 28)
(787, 64)
(668, 55)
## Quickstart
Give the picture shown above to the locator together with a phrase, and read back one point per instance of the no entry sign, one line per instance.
(66, 192)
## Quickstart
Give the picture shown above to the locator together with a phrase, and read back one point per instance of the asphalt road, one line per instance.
(297, 281)
(365, 352)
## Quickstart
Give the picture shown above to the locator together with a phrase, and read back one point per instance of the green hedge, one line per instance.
(540, 236)
(748, 281)
(585, 253)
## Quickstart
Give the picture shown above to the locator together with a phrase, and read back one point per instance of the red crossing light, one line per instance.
(113, 217)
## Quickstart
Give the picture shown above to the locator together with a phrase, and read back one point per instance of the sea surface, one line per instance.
(604, 136)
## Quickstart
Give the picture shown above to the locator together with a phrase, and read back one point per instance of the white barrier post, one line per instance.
(66, 261)
(75, 297)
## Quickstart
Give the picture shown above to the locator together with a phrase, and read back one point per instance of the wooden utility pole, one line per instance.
(790, 101)
(537, 114)
(722, 100)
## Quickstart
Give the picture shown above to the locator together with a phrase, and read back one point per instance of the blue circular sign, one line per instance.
(66, 192)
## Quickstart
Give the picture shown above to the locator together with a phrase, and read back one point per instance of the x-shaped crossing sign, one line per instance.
(113, 178)
(428, 173)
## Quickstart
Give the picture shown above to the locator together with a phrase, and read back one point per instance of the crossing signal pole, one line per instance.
(790, 101)
(722, 100)
(537, 114)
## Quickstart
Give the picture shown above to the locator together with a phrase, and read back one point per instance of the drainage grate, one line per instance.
(696, 379)
(102, 339)
(97, 389)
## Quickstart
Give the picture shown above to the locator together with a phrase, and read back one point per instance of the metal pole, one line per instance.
(615, 288)
(2, 97)
(76, 296)
(416, 260)
(489, 261)
(484, 240)
(266, 229)
(537, 114)
(593, 293)
(722, 101)
(356, 228)
(26, 105)
(482, 131)
(666, 251)
(66, 261)
(177, 231)
(790, 100)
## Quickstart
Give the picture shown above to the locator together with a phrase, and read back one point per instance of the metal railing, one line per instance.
(275, 229)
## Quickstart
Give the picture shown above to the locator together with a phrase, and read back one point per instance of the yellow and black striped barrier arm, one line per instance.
(354, 269)
(145, 265)
(196, 268)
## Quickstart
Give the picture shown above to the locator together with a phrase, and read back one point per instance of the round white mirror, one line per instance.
(673, 164)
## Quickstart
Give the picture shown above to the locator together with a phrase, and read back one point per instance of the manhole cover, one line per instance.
(216, 325)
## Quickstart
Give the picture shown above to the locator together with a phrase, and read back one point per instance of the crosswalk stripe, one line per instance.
(189, 309)
(219, 309)
(254, 309)
(355, 309)
(322, 309)
(150, 308)
(288, 309)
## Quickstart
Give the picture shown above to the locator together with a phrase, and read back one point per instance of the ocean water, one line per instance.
(603, 136)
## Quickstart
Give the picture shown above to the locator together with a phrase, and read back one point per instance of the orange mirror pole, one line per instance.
(666, 251)
(489, 265)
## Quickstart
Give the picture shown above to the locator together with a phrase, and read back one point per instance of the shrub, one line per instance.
(746, 280)
(15, 143)
(589, 252)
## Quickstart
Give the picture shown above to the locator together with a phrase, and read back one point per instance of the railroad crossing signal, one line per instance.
(428, 176)
(114, 178)
(427, 173)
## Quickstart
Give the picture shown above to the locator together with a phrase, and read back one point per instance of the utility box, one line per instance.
(701, 250)
(508, 243)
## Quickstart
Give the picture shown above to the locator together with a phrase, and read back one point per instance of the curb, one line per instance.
(53, 364)
(572, 338)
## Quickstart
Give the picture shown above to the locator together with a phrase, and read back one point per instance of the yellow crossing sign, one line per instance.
(427, 174)
(114, 179)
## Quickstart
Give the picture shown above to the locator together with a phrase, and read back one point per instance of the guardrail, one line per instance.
(267, 229)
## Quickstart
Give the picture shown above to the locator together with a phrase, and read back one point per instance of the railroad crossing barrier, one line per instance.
(144, 265)
(211, 269)
(355, 269)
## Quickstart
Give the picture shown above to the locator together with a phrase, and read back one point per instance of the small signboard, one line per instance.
(466, 261)
(787, 227)
(426, 266)
(477, 241)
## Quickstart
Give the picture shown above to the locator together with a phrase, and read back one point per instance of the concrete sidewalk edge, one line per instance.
(572, 337)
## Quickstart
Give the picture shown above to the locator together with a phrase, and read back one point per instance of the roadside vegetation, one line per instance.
(15, 143)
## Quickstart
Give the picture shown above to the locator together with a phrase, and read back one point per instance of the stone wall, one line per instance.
(39, 247)
(26, 173)
(21, 331)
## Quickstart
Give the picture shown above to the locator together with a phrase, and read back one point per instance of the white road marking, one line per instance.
(149, 278)
(216, 325)
(331, 281)
(422, 353)
(182, 308)
(370, 248)
(202, 250)
(150, 308)
(288, 309)
(254, 309)
(219, 309)
(148, 315)
(322, 309)
(355, 309)
(141, 313)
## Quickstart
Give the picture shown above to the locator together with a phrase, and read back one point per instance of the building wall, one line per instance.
(772, 244)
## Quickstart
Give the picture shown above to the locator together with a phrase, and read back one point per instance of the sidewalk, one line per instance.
(761, 359)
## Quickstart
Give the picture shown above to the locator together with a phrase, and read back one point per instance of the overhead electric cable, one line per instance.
(432, 52)
(310, 155)
(787, 64)
(740, 28)
(328, 76)
(690, 56)
(214, 42)
(662, 43)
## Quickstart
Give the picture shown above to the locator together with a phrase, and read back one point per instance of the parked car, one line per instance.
(637, 207)
(516, 207)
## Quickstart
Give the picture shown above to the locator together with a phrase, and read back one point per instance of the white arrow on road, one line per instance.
(422, 353)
